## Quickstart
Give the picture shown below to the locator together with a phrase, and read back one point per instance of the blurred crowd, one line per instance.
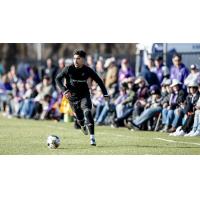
(162, 98)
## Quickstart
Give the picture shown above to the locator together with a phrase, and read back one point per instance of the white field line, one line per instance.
(126, 136)
(173, 141)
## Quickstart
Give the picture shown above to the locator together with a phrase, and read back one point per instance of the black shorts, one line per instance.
(80, 105)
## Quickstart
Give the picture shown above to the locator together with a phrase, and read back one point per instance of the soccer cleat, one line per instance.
(92, 142)
(84, 130)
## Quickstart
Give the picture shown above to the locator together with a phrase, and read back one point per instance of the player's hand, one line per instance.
(68, 95)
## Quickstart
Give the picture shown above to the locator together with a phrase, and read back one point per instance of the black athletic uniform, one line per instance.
(76, 84)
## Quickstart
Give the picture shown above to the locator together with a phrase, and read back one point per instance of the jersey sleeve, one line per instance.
(98, 80)
(59, 79)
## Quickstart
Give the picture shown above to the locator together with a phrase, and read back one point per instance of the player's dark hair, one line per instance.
(80, 52)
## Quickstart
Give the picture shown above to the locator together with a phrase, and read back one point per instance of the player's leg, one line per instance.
(76, 107)
(86, 106)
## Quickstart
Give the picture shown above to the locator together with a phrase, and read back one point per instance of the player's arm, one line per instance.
(98, 80)
(59, 80)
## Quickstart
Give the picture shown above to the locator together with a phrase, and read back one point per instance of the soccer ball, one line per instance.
(53, 141)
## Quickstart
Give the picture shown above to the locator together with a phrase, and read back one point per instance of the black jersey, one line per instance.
(76, 81)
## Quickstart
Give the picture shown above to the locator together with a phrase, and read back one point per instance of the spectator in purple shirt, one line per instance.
(158, 68)
(125, 71)
(178, 70)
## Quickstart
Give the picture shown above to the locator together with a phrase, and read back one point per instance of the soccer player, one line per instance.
(77, 91)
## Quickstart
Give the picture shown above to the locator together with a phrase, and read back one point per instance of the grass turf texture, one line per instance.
(28, 137)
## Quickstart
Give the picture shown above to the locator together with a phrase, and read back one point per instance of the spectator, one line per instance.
(178, 70)
(61, 64)
(90, 62)
(113, 107)
(13, 74)
(152, 108)
(111, 79)
(189, 109)
(175, 100)
(166, 73)
(23, 108)
(125, 71)
(196, 125)
(141, 95)
(128, 102)
(5, 91)
(193, 76)
(33, 78)
(158, 68)
(150, 76)
(98, 102)
(100, 70)
(44, 89)
(51, 70)
(150, 64)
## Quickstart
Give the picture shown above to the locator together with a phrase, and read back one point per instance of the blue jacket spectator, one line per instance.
(149, 76)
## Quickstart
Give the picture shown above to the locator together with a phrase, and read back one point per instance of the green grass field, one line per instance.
(28, 137)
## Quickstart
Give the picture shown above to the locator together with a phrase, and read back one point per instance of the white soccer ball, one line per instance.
(53, 141)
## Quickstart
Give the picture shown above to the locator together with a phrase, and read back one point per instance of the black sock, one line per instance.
(91, 129)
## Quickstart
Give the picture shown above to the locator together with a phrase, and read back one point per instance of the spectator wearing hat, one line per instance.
(174, 101)
(188, 109)
(178, 70)
(193, 76)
